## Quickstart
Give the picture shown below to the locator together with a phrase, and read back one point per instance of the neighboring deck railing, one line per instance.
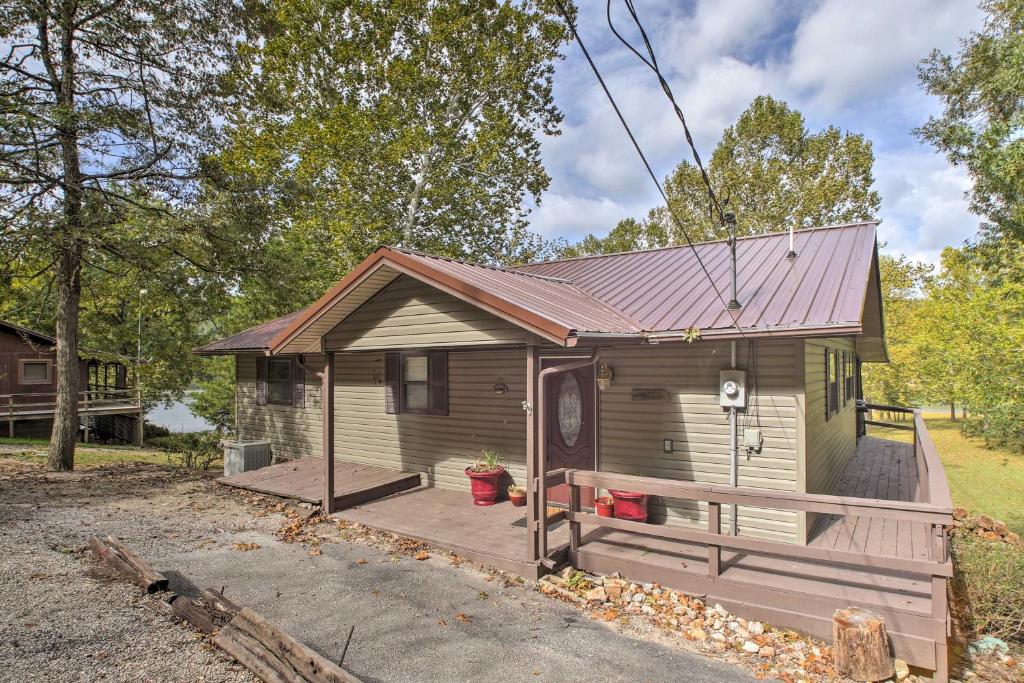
(14, 406)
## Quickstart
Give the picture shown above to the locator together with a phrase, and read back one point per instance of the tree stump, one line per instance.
(860, 645)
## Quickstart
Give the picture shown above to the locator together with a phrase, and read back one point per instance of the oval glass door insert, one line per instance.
(570, 410)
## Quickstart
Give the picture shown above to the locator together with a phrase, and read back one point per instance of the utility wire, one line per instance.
(650, 171)
(652, 63)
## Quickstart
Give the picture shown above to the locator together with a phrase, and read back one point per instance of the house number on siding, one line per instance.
(570, 410)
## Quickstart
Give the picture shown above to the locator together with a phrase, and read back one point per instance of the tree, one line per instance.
(775, 174)
(982, 124)
(899, 382)
(106, 108)
(412, 122)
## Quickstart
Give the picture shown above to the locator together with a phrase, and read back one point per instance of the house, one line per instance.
(606, 372)
(109, 405)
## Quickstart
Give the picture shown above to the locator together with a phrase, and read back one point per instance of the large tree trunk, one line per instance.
(65, 417)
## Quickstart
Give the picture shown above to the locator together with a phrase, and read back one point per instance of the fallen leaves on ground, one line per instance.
(245, 547)
(361, 561)
(464, 618)
(315, 552)
(421, 555)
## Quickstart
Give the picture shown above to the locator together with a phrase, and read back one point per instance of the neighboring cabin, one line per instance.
(432, 358)
(28, 385)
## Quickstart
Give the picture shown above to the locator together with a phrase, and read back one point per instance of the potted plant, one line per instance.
(483, 477)
(631, 506)
(605, 506)
(517, 494)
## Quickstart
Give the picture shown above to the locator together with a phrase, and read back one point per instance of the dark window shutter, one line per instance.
(828, 389)
(261, 381)
(299, 379)
(438, 376)
(392, 382)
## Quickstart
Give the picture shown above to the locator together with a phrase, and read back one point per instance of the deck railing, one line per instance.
(34, 404)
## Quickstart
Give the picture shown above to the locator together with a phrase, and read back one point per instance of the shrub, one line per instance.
(194, 450)
(989, 584)
(152, 431)
(1000, 426)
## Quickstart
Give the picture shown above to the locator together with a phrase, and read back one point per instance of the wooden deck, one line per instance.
(494, 535)
(304, 480)
(884, 470)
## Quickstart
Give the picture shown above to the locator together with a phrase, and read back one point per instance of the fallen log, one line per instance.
(127, 563)
(187, 610)
(217, 601)
(303, 660)
(251, 654)
(860, 645)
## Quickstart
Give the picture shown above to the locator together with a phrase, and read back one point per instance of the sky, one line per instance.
(848, 63)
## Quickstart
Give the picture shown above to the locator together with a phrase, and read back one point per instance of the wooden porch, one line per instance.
(303, 480)
(91, 404)
(880, 543)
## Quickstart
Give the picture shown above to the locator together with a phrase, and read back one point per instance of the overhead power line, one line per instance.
(650, 171)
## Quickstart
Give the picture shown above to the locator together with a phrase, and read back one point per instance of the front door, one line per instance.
(570, 429)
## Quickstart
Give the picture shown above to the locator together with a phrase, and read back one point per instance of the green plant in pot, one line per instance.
(517, 494)
(483, 477)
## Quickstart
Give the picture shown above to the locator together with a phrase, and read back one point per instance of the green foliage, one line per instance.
(193, 450)
(775, 174)
(982, 124)
(406, 122)
(989, 583)
(215, 399)
(488, 461)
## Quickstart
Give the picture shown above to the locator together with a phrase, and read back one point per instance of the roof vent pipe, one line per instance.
(792, 243)
(730, 225)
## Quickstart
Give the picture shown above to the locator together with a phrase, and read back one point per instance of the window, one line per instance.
(831, 382)
(851, 377)
(34, 371)
(416, 382)
(279, 381)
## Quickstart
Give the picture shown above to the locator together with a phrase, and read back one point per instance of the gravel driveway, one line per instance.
(63, 619)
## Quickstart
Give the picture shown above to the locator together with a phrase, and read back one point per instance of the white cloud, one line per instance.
(573, 216)
(845, 50)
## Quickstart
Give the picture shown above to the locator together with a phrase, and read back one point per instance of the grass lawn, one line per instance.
(985, 481)
(34, 450)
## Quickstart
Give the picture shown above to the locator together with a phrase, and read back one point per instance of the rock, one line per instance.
(717, 625)
(647, 609)
(988, 645)
(613, 588)
(985, 522)
(901, 669)
(638, 598)
(698, 622)
(720, 637)
(959, 513)
(1000, 528)
(697, 634)
(596, 595)
(685, 620)
(767, 652)
(697, 604)
(1013, 538)
(721, 610)
(991, 536)
(755, 627)
(751, 647)
(567, 573)
(733, 626)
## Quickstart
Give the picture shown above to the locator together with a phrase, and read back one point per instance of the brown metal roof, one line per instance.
(633, 294)
(256, 338)
(666, 289)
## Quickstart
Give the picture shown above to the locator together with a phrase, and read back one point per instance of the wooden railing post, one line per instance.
(85, 414)
(10, 423)
(574, 526)
(714, 551)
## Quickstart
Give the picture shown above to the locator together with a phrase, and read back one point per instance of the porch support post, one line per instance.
(327, 405)
(532, 454)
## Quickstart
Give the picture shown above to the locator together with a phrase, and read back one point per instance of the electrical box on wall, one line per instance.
(732, 387)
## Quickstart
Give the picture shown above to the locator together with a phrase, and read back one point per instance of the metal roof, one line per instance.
(667, 290)
(633, 294)
(256, 338)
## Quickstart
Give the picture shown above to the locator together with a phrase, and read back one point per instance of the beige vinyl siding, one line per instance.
(438, 446)
(293, 432)
(829, 443)
(632, 432)
(410, 314)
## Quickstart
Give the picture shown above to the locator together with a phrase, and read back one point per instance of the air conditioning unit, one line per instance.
(243, 456)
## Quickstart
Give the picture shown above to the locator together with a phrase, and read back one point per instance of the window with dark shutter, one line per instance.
(280, 390)
(299, 385)
(261, 381)
(828, 363)
(416, 382)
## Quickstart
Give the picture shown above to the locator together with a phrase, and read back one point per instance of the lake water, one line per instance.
(177, 418)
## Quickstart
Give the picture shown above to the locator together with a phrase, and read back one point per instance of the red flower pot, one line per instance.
(605, 506)
(518, 499)
(631, 506)
(484, 485)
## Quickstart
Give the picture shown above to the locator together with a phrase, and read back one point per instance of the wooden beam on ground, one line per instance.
(217, 601)
(188, 610)
(134, 568)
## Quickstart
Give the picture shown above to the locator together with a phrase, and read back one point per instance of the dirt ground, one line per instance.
(62, 618)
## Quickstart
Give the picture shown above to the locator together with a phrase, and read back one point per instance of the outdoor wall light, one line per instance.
(605, 375)
(500, 388)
